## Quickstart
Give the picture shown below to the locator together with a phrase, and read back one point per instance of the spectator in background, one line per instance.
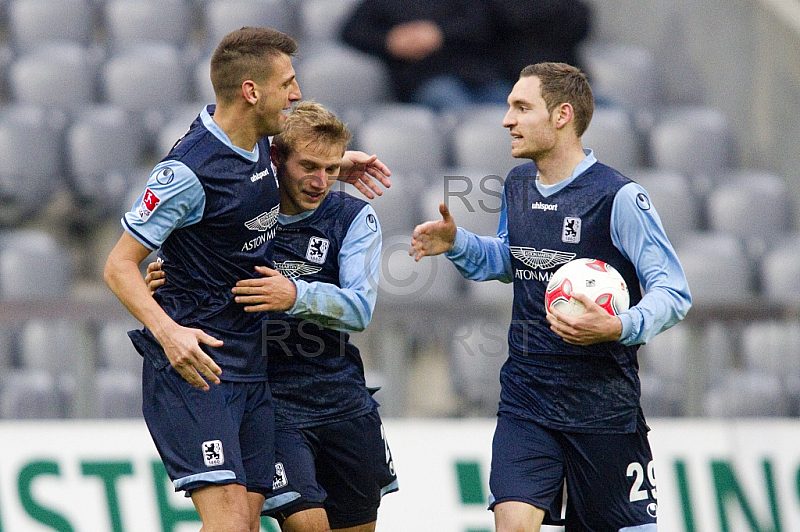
(439, 53)
(447, 54)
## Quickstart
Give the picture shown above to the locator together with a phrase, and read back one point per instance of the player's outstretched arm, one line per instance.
(362, 171)
(434, 237)
(269, 293)
(181, 344)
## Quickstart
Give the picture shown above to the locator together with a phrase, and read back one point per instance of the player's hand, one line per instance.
(155, 276)
(433, 238)
(414, 40)
(362, 171)
(269, 293)
(182, 347)
(592, 327)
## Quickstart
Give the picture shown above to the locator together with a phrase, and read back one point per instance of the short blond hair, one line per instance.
(311, 123)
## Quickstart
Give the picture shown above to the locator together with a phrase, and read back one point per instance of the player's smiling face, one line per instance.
(278, 93)
(307, 175)
(531, 126)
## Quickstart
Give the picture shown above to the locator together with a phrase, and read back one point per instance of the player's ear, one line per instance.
(276, 155)
(563, 115)
(250, 91)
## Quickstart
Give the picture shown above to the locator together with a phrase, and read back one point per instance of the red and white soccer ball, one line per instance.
(595, 278)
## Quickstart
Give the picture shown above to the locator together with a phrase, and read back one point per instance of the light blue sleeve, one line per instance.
(637, 232)
(349, 307)
(173, 198)
(484, 258)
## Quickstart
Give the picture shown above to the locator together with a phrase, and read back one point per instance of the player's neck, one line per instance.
(558, 165)
(240, 131)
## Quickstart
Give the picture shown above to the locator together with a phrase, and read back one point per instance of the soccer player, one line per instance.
(333, 461)
(569, 406)
(211, 207)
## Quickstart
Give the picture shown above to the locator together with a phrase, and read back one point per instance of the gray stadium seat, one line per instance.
(114, 348)
(119, 394)
(772, 347)
(747, 394)
(33, 266)
(132, 21)
(30, 395)
(614, 138)
(473, 197)
(674, 199)
(147, 79)
(104, 149)
(693, 141)
(623, 75)
(406, 137)
(476, 352)
(322, 20)
(717, 268)
(28, 183)
(780, 271)
(223, 16)
(341, 78)
(33, 22)
(481, 141)
(201, 78)
(665, 370)
(398, 209)
(176, 124)
(432, 280)
(765, 195)
(66, 72)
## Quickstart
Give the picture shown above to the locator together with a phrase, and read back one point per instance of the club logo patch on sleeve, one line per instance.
(149, 203)
(212, 453)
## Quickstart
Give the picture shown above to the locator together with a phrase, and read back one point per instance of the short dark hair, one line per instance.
(241, 55)
(563, 83)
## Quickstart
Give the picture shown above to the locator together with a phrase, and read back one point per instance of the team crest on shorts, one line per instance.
(212, 453)
(279, 480)
(571, 231)
(317, 250)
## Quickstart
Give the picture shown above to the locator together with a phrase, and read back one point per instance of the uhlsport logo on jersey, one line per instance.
(212, 453)
(317, 249)
(538, 259)
(292, 269)
(149, 203)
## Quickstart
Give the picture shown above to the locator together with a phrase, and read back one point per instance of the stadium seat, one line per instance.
(104, 150)
(201, 79)
(763, 195)
(223, 16)
(114, 348)
(477, 351)
(674, 199)
(33, 267)
(694, 141)
(28, 183)
(481, 141)
(717, 268)
(34, 22)
(398, 209)
(28, 394)
(780, 271)
(148, 79)
(133, 21)
(407, 138)
(473, 197)
(322, 20)
(495, 295)
(341, 78)
(119, 394)
(747, 394)
(614, 138)
(66, 72)
(431, 281)
(772, 347)
(176, 124)
(623, 75)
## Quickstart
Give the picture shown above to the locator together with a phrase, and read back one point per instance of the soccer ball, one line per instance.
(595, 278)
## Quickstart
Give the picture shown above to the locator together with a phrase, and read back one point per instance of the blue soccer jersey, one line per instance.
(596, 213)
(333, 255)
(212, 209)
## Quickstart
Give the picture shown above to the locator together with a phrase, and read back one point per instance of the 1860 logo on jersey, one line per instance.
(317, 249)
(571, 231)
(212, 453)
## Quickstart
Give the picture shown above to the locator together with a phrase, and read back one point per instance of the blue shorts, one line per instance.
(610, 483)
(223, 436)
(344, 467)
